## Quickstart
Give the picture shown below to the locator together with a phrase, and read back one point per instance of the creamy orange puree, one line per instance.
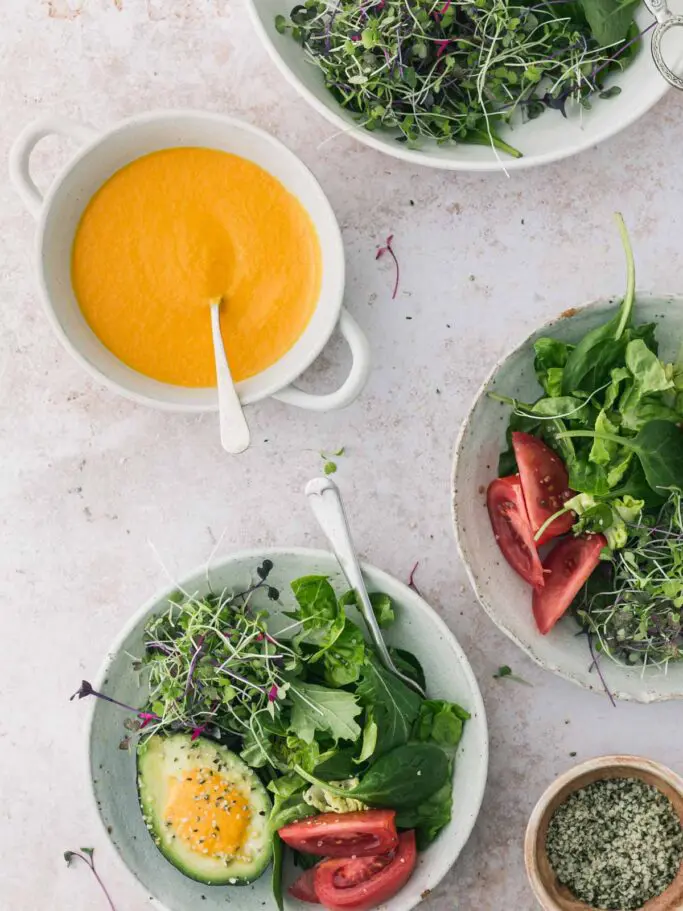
(176, 228)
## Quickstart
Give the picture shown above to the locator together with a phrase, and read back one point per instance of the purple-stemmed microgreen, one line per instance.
(388, 248)
(86, 689)
(460, 71)
(411, 579)
(87, 856)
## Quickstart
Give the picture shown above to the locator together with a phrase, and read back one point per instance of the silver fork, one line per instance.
(326, 503)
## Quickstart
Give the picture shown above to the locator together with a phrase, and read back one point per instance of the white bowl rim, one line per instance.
(416, 156)
(247, 396)
(646, 696)
(416, 601)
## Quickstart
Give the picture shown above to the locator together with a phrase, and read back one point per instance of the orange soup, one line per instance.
(178, 228)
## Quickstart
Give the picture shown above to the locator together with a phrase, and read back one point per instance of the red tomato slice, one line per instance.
(566, 567)
(363, 833)
(360, 883)
(545, 484)
(304, 887)
(510, 523)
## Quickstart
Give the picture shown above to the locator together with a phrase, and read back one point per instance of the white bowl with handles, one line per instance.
(549, 138)
(111, 771)
(506, 597)
(105, 152)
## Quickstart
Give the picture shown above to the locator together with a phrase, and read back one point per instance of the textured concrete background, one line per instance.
(87, 479)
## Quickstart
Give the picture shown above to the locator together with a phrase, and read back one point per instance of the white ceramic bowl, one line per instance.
(503, 594)
(104, 153)
(548, 138)
(418, 628)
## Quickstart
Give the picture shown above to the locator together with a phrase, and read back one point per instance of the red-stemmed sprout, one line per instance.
(87, 856)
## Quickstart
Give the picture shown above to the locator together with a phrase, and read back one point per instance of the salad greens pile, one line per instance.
(613, 411)
(455, 70)
(311, 708)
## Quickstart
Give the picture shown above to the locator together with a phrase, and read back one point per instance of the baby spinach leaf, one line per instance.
(590, 363)
(343, 660)
(337, 765)
(609, 20)
(551, 357)
(382, 606)
(276, 872)
(404, 777)
(322, 620)
(659, 447)
(431, 816)
(408, 664)
(603, 451)
(395, 706)
(369, 738)
(441, 722)
(317, 708)
(585, 476)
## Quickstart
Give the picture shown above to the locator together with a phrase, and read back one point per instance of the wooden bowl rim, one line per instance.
(617, 763)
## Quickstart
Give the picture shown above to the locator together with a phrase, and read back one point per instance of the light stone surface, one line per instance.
(93, 486)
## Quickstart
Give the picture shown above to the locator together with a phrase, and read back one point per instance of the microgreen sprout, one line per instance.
(330, 466)
(218, 669)
(454, 70)
(634, 607)
(388, 248)
(87, 856)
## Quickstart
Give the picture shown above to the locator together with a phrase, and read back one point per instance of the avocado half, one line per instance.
(164, 764)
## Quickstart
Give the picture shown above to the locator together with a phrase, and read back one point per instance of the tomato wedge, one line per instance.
(363, 833)
(566, 567)
(304, 887)
(510, 523)
(545, 483)
(360, 883)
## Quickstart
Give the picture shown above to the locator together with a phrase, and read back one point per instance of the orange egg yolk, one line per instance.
(208, 813)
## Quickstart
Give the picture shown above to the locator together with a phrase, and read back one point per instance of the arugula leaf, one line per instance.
(395, 705)
(431, 816)
(440, 721)
(318, 708)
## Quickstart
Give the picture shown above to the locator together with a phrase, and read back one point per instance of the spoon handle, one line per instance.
(234, 430)
(327, 506)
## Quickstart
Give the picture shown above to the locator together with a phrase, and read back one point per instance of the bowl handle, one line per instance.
(352, 385)
(25, 143)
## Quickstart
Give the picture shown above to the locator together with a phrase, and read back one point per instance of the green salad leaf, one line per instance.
(440, 721)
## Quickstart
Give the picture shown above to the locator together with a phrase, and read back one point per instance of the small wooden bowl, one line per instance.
(551, 894)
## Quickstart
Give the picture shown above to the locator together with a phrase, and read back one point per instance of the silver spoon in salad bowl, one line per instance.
(327, 506)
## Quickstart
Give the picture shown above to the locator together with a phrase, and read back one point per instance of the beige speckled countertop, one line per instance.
(88, 479)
